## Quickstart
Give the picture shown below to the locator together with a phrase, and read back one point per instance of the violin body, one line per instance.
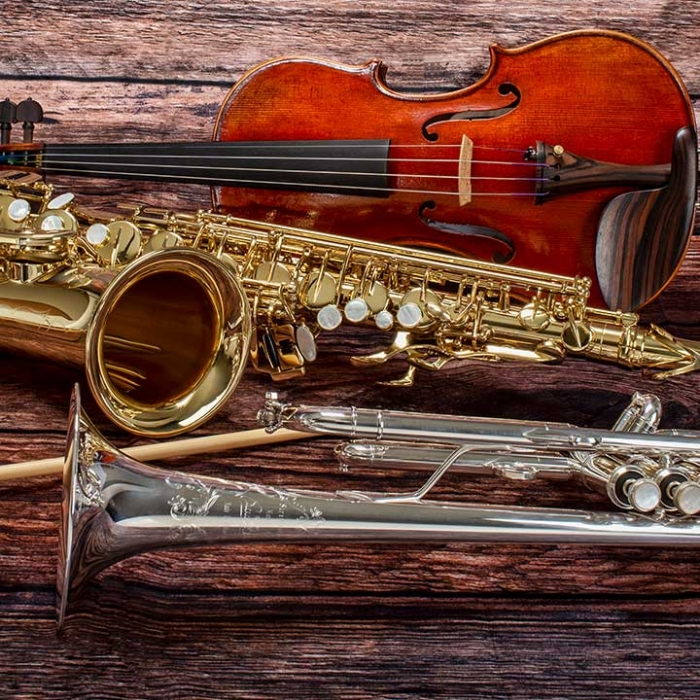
(575, 155)
(482, 171)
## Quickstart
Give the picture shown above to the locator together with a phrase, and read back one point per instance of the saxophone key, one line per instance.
(61, 201)
(163, 240)
(329, 317)
(321, 290)
(15, 212)
(276, 272)
(356, 310)
(55, 220)
(384, 320)
(306, 343)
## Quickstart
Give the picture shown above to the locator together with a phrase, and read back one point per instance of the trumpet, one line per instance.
(115, 507)
(639, 467)
(113, 290)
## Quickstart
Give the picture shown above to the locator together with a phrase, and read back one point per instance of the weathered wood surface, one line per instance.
(316, 620)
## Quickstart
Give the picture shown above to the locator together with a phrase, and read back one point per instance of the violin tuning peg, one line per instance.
(8, 116)
(8, 111)
(29, 112)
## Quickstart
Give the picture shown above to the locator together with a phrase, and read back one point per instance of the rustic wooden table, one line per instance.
(315, 620)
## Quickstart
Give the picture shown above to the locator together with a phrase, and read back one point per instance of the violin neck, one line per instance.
(356, 167)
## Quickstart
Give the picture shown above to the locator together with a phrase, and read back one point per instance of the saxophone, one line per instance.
(296, 284)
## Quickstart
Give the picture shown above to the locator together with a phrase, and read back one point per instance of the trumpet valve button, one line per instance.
(97, 234)
(644, 495)
(687, 498)
(384, 320)
(329, 317)
(306, 343)
(61, 201)
(356, 310)
(409, 315)
(18, 210)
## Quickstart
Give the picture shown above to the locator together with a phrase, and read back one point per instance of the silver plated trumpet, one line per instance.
(115, 507)
(639, 467)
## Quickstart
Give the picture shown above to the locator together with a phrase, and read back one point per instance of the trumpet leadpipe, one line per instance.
(375, 424)
(637, 467)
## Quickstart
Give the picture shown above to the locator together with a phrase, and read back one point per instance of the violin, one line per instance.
(575, 155)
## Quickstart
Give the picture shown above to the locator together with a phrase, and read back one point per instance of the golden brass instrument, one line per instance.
(298, 284)
(115, 507)
(127, 317)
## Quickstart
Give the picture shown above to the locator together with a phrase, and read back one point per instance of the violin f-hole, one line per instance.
(489, 243)
(504, 89)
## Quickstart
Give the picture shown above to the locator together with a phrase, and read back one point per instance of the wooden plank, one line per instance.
(331, 620)
(421, 41)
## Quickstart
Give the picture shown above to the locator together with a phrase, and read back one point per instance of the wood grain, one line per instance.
(331, 621)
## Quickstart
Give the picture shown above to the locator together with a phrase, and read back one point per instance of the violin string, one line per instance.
(291, 171)
(299, 145)
(158, 156)
(295, 184)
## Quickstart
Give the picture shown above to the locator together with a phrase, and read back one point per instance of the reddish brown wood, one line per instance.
(559, 212)
(565, 90)
(331, 622)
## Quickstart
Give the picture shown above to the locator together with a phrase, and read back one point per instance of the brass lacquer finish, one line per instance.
(161, 336)
(436, 307)
(159, 305)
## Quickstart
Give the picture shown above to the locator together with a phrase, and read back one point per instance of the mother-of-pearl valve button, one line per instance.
(687, 498)
(60, 201)
(18, 210)
(409, 315)
(356, 310)
(644, 495)
(329, 317)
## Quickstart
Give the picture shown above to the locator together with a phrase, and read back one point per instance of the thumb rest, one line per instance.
(115, 507)
(293, 285)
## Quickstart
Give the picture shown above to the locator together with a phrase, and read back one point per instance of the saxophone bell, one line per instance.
(163, 336)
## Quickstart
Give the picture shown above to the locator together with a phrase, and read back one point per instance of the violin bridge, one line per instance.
(464, 180)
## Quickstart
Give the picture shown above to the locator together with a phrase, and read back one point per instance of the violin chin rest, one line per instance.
(643, 235)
